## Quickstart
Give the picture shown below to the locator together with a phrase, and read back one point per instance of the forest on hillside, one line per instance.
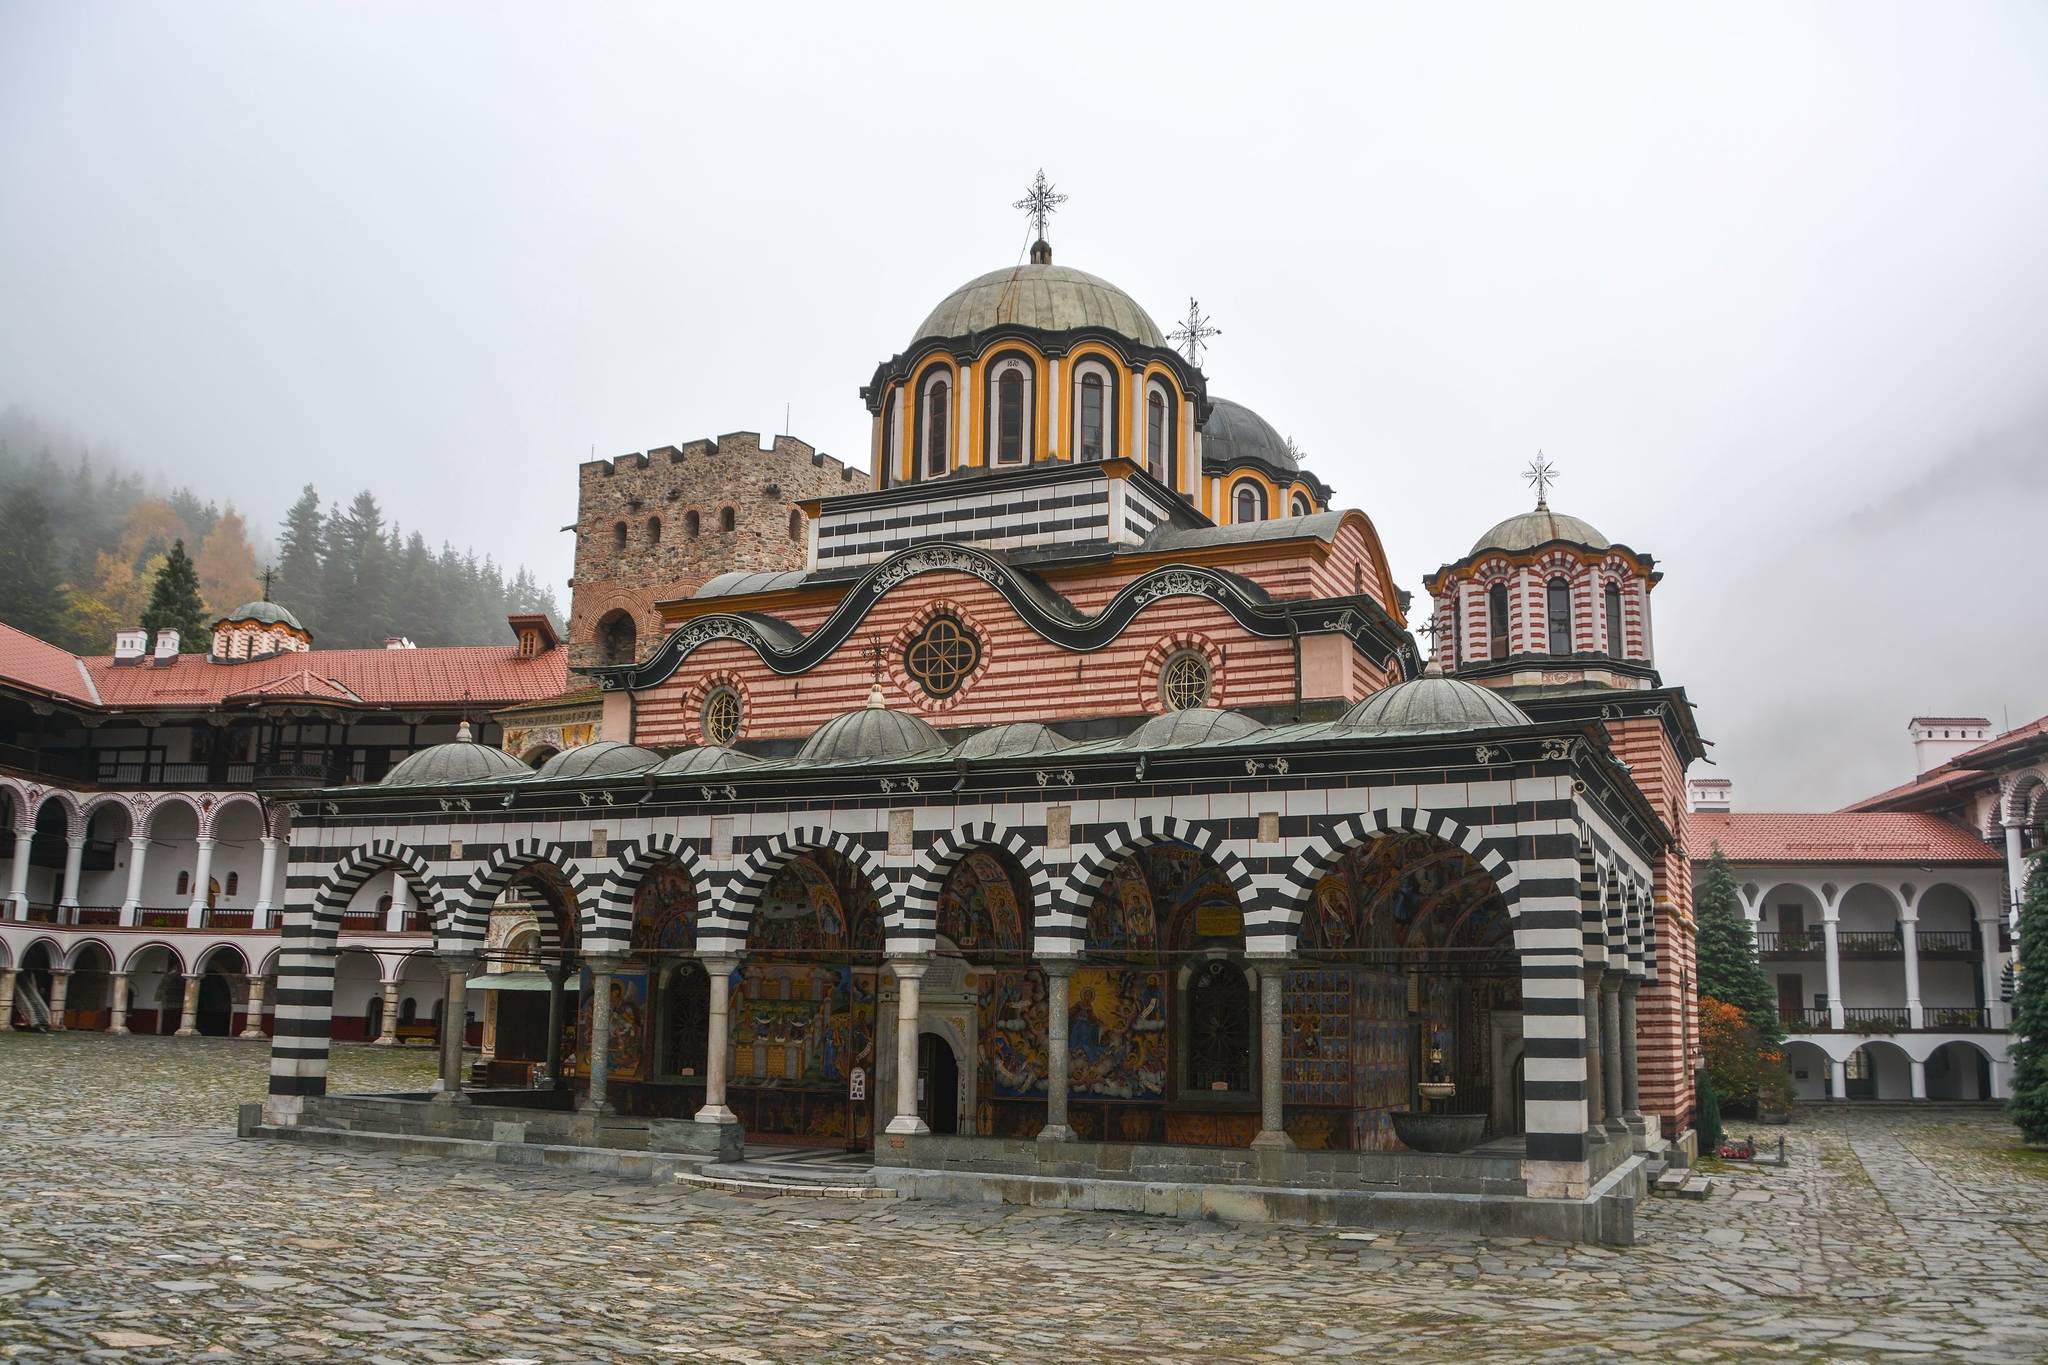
(84, 539)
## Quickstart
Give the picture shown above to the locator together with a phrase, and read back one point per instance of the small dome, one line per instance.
(1527, 530)
(265, 613)
(1433, 704)
(602, 758)
(873, 734)
(464, 760)
(706, 758)
(1050, 297)
(1196, 725)
(1235, 434)
(1018, 740)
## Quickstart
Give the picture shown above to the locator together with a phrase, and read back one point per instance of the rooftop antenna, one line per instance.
(1040, 203)
(785, 419)
(1193, 334)
(1540, 474)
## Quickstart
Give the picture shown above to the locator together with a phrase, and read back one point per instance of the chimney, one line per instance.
(1937, 739)
(130, 644)
(166, 645)
(1710, 794)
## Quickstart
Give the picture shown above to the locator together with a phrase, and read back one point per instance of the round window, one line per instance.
(941, 656)
(722, 716)
(1184, 681)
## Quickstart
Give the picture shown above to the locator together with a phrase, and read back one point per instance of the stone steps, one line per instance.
(761, 1180)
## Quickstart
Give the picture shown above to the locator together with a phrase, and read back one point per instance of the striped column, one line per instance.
(303, 1014)
(1549, 937)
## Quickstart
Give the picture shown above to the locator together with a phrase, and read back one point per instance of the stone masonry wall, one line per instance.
(657, 556)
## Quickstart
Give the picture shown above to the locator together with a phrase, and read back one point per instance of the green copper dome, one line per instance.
(873, 734)
(464, 760)
(1529, 529)
(1433, 704)
(266, 613)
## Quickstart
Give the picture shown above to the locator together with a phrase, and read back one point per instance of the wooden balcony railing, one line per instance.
(1870, 942)
(1955, 1017)
(1810, 1020)
(1876, 1018)
(1771, 944)
(1947, 942)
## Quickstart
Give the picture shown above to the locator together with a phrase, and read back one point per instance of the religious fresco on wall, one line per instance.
(980, 910)
(1116, 1033)
(627, 1060)
(804, 1029)
(1404, 891)
(665, 911)
(1163, 896)
(1012, 1032)
(816, 903)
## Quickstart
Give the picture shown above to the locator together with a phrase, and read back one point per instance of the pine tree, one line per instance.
(2029, 1103)
(1727, 963)
(1707, 1114)
(174, 603)
(301, 542)
(31, 591)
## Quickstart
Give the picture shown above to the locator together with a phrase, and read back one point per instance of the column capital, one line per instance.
(1631, 983)
(720, 964)
(908, 968)
(1610, 982)
(604, 962)
(454, 964)
(1057, 966)
(75, 841)
(1269, 966)
(138, 841)
(202, 841)
(60, 973)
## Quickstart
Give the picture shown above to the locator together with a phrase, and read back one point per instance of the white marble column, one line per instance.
(1057, 974)
(118, 1025)
(909, 979)
(387, 1018)
(188, 1019)
(401, 904)
(718, 1041)
(138, 854)
(1909, 935)
(1918, 1071)
(67, 899)
(1994, 1008)
(1834, 957)
(1272, 1119)
(6, 999)
(60, 987)
(1839, 1074)
(266, 883)
(195, 913)
(602, 966)
(252, 1026)
(17, 873)
(457, 969)
(2015, 871)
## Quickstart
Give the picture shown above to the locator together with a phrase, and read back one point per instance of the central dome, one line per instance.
(1052, 298)
(1527, 530)
(1236, 433)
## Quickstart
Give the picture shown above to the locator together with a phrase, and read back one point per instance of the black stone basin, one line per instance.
(1439, 1132)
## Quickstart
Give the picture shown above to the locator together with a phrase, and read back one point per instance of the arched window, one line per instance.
(691, 524)
(383, 905)
(1299, 505)
(234, 883)
(617, 638)
(937, 408)
(1091, 416)
(408, 1010)
(184, 884)
(1497, 621)
(725, 519)
(1013, 413)
(796, 524)
(1248, 502)
(619, 536)
(1559, 600)
(1184, 681)
(1617, 647)
(1155, 435)
(654, 530)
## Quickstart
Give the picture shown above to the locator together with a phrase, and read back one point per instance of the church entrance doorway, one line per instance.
(938, 1084)
(216, 1005)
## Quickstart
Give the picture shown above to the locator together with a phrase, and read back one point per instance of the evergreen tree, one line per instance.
(31, 590)
(174, 603)
(301, 543)
(1707, 1114)
(2029, 1103)
(1727, 963)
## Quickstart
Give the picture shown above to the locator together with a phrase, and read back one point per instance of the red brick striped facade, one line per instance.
(1667, 1017)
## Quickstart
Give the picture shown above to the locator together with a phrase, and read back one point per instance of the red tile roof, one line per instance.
(1837, 837)
(447, 676)
(1934, 782)
(39, 666)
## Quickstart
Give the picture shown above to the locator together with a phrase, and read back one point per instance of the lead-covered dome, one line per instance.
(601, 758)
(1053, 298)
(264, 613)
(1433, 704)
(873, 734)
(1195, 725)
(1236, 434)
(1529, 529)
(707, 758)
(1019, 739)
(462, 760)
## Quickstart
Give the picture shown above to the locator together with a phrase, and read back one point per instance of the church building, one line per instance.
(1076, 808)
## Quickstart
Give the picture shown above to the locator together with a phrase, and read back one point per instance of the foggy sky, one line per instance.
(1768, 283)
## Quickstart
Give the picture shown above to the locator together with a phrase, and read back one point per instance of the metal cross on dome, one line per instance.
(1540, 474)
(1040, 203)
(1192, 335)
(1433, 627)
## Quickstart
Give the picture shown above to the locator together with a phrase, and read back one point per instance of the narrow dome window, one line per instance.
(1497, 621)
(1091, 416)
(1155, 435)
(1617, 647)
(1249, 502)
(1010, 417)
(1559, 611)
(937, 407)
(1299, 505)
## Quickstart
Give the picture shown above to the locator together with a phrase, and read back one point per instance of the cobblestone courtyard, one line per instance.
(136, 1227)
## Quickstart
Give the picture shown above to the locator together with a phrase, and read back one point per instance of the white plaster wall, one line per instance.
(1949, 982)
(1805, 1057)
(1870, 984)
(1869, 909)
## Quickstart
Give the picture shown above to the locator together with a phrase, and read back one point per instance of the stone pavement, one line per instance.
(133, 1226)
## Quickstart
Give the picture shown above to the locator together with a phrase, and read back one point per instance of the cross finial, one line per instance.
(266, 583)
(1540, 474)
(875, 657)
(1192, 335)
(1040, 203)
(1433, 627)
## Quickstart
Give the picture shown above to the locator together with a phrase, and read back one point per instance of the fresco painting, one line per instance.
(665, 911)
(980, 911)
